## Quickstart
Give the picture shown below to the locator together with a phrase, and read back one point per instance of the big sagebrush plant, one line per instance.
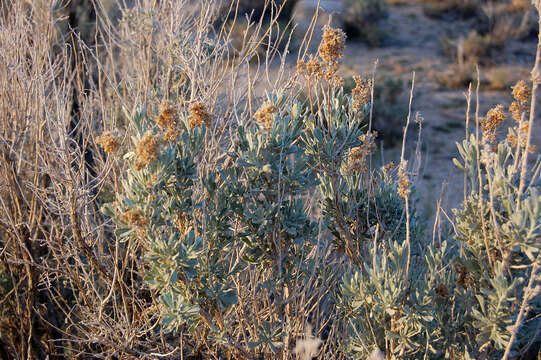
(499, 229)
(246, 255)
(235, 225)
(233, 250)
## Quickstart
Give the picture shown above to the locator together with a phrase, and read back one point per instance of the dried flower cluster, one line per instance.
(311, 68)
(442, 290)
(521, 92)
(357, 156)
(331, 50)
(386, 169)
(361, 92)
(404, 182)
(332, 45)
(147, 150)
(489, 124)
(264, 115)
(518, 109)
(108, 141)
(199, 115)
(166, 117)
(462, 280)
(167, 120)
(134, 218)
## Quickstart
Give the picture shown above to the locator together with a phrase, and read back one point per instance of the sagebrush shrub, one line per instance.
(244, 227)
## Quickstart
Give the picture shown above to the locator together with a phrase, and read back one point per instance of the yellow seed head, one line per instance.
(199, 115)
(264, 115)
(387, 168)
(361, 92)
(311, 68)
(146, 150)
(332, 45)
(171, 134)
(521, 5)
(358, 155)
(491, 122)
(516, 109)
(521, 91)
(512, 139)
(108, 141)
(167, 116)
(404, 183)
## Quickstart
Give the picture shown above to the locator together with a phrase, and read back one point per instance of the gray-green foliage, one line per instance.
(208, 229)
(186, 265)
(464, 294)
(498, 229)
(243, 253)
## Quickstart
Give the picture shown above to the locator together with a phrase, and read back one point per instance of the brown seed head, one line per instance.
(108, 142)
(199, 115)
(462, 276)
(312, 68)
(521, 5)
(166, 117)
(330, 74)
(404, 183)
(134, 218)
(387, 168)
(357, 156)
(491, 122)
(521, 91)
(512, 139)
(147, 150)
(332, 46)
(171, 134)
(264, 115)
(361, 92)
(516, 109)
(442, 290)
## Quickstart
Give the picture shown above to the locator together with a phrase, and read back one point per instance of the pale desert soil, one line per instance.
(414, 44)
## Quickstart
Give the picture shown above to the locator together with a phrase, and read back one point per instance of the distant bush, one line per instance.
(494, 25)
(361, 20)
(451, 9)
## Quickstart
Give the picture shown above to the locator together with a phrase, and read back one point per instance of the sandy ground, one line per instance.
(414, 44)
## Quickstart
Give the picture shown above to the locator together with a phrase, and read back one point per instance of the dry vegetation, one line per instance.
(176, 182)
